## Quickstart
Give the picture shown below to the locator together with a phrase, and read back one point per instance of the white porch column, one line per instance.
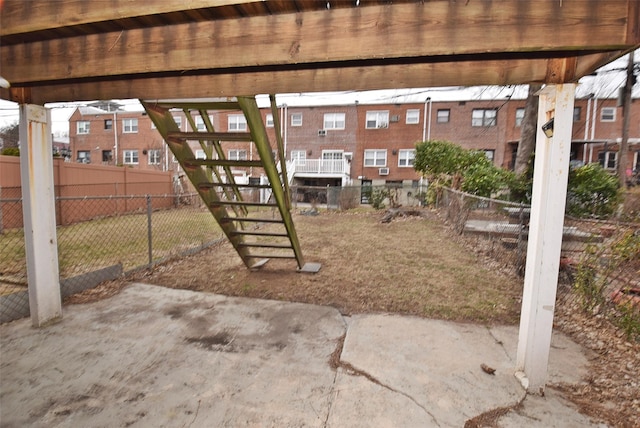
(551, 171)
(38, 208)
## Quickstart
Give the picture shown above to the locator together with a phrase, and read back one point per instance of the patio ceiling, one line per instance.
(72, 50)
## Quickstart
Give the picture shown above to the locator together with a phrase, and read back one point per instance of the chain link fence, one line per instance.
(100, 238)
(599, 264)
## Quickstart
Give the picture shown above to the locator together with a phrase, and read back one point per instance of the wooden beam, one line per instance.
(586, 64)
(469, 73)
(400, 31)
(18, 17)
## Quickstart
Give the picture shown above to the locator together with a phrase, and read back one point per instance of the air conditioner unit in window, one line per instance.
(322, 132)
(383, 171)
(394, 118)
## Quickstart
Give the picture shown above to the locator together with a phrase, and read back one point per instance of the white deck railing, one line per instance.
(321, 166)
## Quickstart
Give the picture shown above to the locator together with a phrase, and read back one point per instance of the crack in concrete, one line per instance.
(499, 342)
(490, 417)
(336, 362)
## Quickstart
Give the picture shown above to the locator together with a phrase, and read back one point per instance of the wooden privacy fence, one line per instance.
(75, 184)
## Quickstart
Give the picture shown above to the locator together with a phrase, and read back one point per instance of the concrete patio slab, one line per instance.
(152, 356)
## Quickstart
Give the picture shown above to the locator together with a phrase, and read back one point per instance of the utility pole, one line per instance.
(626, 113)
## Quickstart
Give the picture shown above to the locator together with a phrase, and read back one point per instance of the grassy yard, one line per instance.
(91, 245)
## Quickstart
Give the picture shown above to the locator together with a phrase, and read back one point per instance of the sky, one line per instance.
(605, 84)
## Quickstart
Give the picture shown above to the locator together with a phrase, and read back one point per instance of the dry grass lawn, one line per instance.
(409, 266)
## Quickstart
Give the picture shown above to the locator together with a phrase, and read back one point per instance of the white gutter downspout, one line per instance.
(115, 138)
(426, 136)
(586, 130)
(593, 127)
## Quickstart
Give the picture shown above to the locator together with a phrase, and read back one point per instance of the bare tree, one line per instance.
(626, 111)
(528, 129)
(10, 134)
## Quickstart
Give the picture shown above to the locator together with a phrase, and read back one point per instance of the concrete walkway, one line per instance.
(157, 357)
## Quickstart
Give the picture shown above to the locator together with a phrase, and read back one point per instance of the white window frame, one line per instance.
(333, 154)
(299, 156)
(84, 154)
(130, 157)
(608, 155)
(269, 121)
(413, 116)
(296, 119)
(178, 121)
(489, 154)
(199, 122)
(154, 157)
(200, 154)
(441, 117)
(108, 124)
(484, 117)
(334, 121)
(519, 116)
(610, 116)
(406, 158)
(237, 154)
(83, 127)
(130, 125)
(377, 119)
(375, 158)
(236, 123)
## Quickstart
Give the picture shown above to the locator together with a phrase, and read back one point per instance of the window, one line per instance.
(519, 116)
(130, 126)
(443, 115)
(130, 157)
(608, 159)
(237, 122)
(83, 127)
(296, 119)
(108, 124)
(84, 156)
(332, 154)
(107, 156)
(406, 157)
(269, 121)
(237, 154)
(334, 120)
(299, 156)
(576, 114)
(200, 125)
(489, 154)
(608, 114)
(375, 158)
(154, 157)
(200, 154)
(413, 116)
(377, 119)
(178, 121)
(483, 117)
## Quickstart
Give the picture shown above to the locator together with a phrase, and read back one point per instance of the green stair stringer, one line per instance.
(224, 198)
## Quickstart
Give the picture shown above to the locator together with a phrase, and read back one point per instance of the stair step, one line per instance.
(271, 256)
(215, 136)
(251, 219)
(203, 186)
(265, 245)
(242, 204)
(189, 163)
(257, 233)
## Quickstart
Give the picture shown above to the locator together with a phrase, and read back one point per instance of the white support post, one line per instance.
(551, 172)
(38, 208)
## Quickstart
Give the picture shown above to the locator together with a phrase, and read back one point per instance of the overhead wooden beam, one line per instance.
(501, 72)
(17, 17)
(348, 34)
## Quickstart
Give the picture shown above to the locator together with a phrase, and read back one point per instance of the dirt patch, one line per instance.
(406, 266)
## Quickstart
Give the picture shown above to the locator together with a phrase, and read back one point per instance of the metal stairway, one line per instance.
(255, 236)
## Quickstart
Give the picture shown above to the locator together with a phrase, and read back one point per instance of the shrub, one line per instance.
(592, 192)
(11, 151)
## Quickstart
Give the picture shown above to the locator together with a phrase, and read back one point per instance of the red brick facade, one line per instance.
(377, 138)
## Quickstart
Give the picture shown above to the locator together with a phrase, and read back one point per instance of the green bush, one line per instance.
(10, 151)
(592, 192)
(448, 164)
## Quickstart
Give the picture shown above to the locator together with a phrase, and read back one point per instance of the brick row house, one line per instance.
(339, 145)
